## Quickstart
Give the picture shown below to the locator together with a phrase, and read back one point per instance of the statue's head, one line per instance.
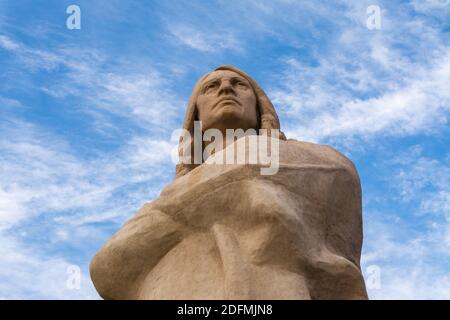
(228, 98)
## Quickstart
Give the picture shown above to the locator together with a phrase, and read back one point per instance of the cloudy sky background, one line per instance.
(86, 118)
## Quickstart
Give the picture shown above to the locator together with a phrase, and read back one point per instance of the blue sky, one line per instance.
(86, 118)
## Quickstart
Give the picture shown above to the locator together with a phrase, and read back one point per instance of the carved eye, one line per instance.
(239, 83)
(211, 86)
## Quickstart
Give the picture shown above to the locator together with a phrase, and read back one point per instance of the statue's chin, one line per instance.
(229, 115)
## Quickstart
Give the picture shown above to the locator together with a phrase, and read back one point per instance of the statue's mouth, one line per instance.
(227, 99)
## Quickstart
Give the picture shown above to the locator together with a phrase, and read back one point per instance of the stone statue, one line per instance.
(226, 231)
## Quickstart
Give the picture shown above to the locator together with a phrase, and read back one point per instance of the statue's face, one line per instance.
(226, 101)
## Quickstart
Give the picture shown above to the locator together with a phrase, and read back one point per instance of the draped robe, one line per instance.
(228, 232)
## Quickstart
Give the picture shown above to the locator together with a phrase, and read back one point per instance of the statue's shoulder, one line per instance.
(303, 152)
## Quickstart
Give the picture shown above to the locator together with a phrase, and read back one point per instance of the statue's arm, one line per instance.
(116, 270)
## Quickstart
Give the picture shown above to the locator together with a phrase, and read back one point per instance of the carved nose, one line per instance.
(226, 88)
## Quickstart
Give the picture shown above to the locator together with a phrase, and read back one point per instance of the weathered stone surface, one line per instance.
(228, 232)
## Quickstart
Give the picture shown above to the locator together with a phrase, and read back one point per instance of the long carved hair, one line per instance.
(267, 116)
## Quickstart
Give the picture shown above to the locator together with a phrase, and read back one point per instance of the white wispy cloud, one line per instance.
(366, 88)
(23, 270)
(434, 7)
(8, 102)
(425, 183)
(410, 242)
(40, 173)
(139, 95)
(405, 260)
(415, 173)
(205, 40)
